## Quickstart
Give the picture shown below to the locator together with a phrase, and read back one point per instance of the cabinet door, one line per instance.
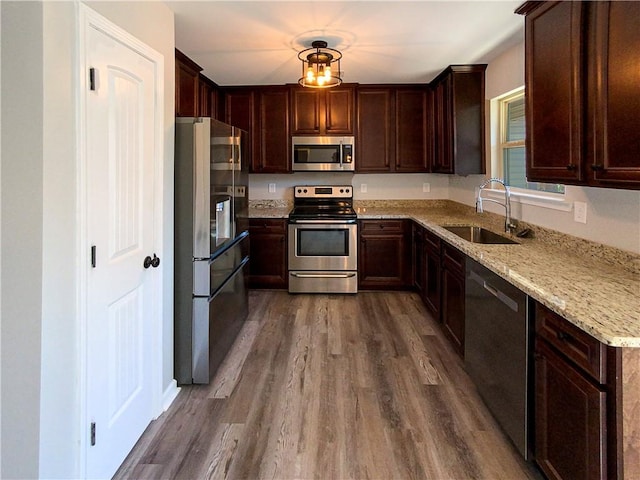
(204, 97)
(187, 86)
(432, 279)
(442, 129)
(453, 296)
(375, 140)
(272, 151)
(418, 258)
(268, 257)
(384, 255)
(411, 130)
(339, 110)
(570, 420)
(305, 111)
(554, 61)
(616, 68)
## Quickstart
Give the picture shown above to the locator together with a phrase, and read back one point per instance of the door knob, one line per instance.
(151, 262)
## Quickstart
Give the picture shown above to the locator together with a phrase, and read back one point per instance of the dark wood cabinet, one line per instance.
(583, 92)
(392, 129)
(453, 296)
(575, 401)
(384, 255)
(268, 256)
(207, 98)
(272, 150)
(427, 272)
(239, 111)
(411, 147)
(323, 112)
(431, 291)
(613, 155)
(554, 57)
(375, 139)
(187, 86)
(459, 120)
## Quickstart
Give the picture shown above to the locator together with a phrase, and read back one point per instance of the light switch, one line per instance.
(272, 188)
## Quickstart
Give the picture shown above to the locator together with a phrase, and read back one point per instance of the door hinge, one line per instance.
(93, 256)
(92, 79)
(93, 433)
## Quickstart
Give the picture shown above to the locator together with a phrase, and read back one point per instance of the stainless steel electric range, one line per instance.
(323, 240)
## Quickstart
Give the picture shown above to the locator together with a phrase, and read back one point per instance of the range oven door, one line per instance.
(323, 246)
(323, 257)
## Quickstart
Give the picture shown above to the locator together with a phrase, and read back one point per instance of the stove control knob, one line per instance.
(341, 190)
(299, 190)
(305, 190)
(347, 190)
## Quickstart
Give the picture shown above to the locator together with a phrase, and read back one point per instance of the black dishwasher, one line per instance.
(497, 341)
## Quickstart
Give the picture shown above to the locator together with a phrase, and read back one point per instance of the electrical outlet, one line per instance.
(426, 188)
(580, 212)
(363, 187)
(272, 188)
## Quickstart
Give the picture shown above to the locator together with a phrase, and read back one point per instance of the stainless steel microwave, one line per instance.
(323, 153)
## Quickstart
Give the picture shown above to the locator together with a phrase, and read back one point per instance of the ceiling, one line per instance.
(257, 42)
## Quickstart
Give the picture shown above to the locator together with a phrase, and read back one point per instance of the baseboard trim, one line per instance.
(169, 395)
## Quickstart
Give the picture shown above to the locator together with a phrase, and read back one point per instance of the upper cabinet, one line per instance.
(458, 120)
(187, 85)
(392, 129)
(583, 92)
(272, 149)
(196, 95)
(323, 112)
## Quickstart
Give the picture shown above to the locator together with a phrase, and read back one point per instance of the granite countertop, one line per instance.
(595, 287)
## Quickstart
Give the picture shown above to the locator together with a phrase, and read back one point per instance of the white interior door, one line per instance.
(122, 295)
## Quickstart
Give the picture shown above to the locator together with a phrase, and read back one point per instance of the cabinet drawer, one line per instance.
(581, 348)
(382, 226)
(268, 225)
(432, 241)
(453, 259)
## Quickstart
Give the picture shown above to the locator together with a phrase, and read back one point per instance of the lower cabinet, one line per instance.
(452, 307)
(268, 257)
(384, 255)
(575, 411)
(432, 283)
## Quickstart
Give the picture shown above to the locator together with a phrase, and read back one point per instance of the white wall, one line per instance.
(613, 215)
(398, 186)
(40, 394)
(22, 253)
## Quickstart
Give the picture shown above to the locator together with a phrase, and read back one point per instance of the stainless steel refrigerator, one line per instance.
(211, 245)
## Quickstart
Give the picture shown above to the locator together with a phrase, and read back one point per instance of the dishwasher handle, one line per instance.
(504, 298)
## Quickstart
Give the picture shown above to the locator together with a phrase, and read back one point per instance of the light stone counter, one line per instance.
(595, 287)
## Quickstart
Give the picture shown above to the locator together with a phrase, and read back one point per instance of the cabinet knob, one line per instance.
(597, 167)
(571, 167)
(563, 336)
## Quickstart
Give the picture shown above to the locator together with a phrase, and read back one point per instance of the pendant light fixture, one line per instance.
(320, 66)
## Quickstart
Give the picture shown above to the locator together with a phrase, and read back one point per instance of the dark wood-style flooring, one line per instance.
(331, 387)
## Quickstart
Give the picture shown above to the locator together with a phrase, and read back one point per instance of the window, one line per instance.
(511, 145)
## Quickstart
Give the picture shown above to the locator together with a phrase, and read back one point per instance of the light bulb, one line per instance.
(320, 80)
(310, 75)
(327, 72)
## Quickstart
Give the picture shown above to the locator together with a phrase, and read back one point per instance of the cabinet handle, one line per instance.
(381, 226)
(563, 336)
(571, 167)
(597, 167)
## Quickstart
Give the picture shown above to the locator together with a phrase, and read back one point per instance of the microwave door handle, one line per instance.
(341, 154)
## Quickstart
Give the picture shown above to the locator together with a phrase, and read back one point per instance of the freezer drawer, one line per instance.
(211, 273)
(217, 321)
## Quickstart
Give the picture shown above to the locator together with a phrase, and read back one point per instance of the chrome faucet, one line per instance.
(508, 222)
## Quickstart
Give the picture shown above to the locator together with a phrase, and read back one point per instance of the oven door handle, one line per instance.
(324, 222)
(323, 275)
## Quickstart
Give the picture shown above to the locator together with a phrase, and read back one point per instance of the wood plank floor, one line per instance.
(331, 387)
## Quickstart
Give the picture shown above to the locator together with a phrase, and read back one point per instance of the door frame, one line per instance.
(88, 19)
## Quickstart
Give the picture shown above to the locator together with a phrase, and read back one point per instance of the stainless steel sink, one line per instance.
(475, 234)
